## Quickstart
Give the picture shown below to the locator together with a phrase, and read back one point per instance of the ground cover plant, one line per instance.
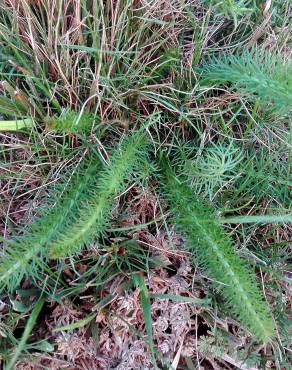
(146, 184)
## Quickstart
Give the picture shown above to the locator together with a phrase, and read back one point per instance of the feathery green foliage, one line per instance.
(261, 75)
(27, 253)
(93, 215)
(232, 8)
(71, 122)
(214, 168)
(79, 216)
(215, 252)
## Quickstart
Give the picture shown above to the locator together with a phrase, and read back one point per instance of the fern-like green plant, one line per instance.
(76, 218)
(214, 168)
(231, 8)
(71, 122)
(261, 75)
(213, 248)
(94, 214)
(26, 254)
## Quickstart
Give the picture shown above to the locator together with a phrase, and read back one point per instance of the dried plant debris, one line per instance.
(119, 341)
(116, 336)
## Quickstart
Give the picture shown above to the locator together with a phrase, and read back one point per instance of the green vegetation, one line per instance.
(145, 172)
(26, 253)
(92, 218)
(264, 77)
(206, 239)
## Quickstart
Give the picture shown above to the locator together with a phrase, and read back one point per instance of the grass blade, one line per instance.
(258, 219)
(16, 125)
(76, 325)
(146, 307)
(28, 328)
